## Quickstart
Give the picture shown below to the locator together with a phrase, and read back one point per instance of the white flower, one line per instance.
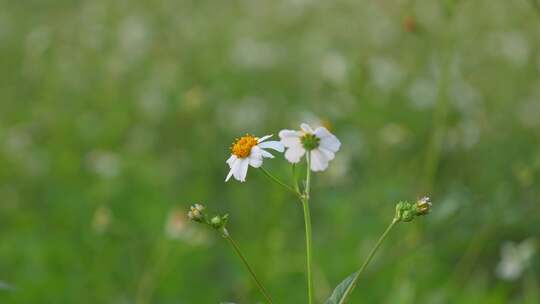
(320, 143)
(249, 151)
(515, 258)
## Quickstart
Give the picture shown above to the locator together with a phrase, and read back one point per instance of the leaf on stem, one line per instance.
(342, 291)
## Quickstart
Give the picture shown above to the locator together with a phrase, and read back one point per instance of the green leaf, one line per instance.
(343, 290)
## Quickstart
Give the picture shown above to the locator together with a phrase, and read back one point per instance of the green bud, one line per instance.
(407, 216)
(216, 222)
(406, 211)
(219, 222)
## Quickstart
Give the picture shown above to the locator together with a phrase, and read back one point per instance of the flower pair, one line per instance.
(250, 150)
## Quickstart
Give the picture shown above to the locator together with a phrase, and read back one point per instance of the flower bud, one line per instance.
(216, 222)
(423, 206)
(406, 211)
(219, 222)
(196, 213)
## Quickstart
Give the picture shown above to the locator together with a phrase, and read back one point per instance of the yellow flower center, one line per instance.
(242, 146)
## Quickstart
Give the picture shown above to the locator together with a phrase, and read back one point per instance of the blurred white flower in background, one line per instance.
(423, 92)
(134, 37)
(465, 135)
(255, 54)
(428, 13)
(382, 30)
(393, 134)
(17, 141)
(513, 46)
(93, 30)
(515, 258)
(334, 67)
(176, 225)
(178, 228)
(293, 9)
(104, 163)
(151, 102)
(18, 146)
(466, 98)
(248, 113)
(385, 73)
(528, 112)
(38, 41)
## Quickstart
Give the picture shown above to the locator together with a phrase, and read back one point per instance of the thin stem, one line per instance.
(279, 182)
(368, 259)
(308, 174)
(228, 237)
(307, 220)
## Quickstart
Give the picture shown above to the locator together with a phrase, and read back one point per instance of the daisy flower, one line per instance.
(321, 144)
(248, 151)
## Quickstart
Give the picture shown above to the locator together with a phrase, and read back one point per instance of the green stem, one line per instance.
(279, 182)
(307, 220)
(228, 237)
(368, 259)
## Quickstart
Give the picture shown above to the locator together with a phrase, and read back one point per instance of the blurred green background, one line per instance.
(115, 116)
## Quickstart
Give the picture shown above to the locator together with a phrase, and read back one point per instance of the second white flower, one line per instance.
(320, 143)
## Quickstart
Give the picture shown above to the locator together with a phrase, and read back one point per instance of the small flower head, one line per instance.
(423, 206)
(319, 143)
(406, 211)
(248, 151)
(218, 222)
(196, 213)
(243, 145)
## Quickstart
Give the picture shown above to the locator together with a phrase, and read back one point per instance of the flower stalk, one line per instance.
(307, 220)
(236, 249)
(197, 214)
(279, 182)
(405, 212)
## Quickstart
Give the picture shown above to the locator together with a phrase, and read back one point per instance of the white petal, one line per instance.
(255, 162)
(294, 154)
(306, 128)
(256, 152)
(231, 160)
(234, 166)
(241, 169)
(322, 132)
(290, 138)
(319, 162)
(266, 154)
(276, 145)
(264, 138)
(327, 153)
(328, 140)
(256, 157)
(289, 133)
